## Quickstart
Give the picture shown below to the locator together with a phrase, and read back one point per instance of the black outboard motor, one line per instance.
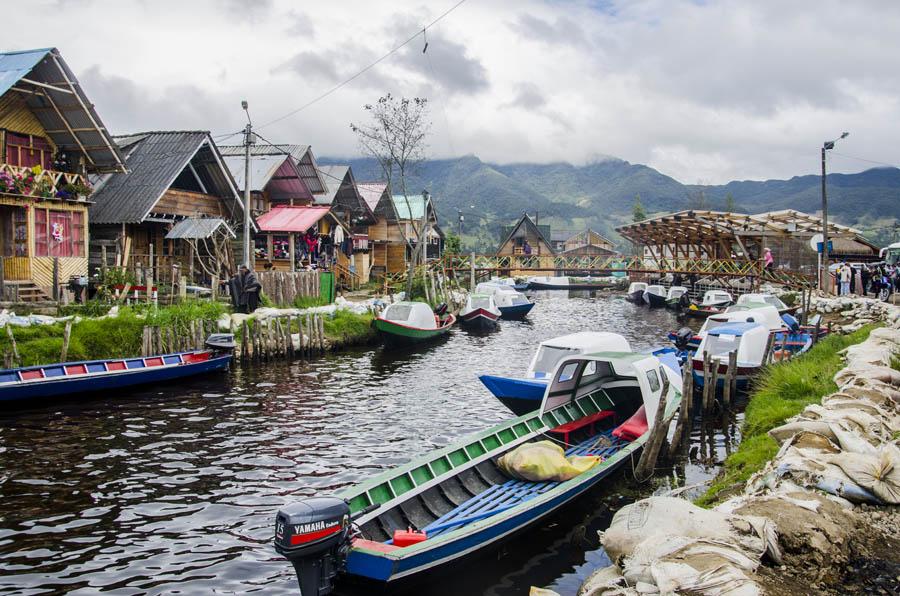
(221, 342)
(441, 309)
(683, 337)
(314, 535)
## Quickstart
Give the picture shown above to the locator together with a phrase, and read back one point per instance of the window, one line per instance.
(548, 357)
(398, 312)
(590, 368)
(568, 372)
(28, 151)
(58, 233)
(654, 380)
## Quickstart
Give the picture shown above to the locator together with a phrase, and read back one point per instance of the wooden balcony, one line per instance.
(45, 184)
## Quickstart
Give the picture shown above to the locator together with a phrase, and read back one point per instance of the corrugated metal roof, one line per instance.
(290, 218)
(334, 177)
(197, 228)
(154, 160)
(302, 154)
(60, 105)
(262, 168)
(413, 203)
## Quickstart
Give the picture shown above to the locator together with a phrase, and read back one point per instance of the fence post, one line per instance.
(2, 282)
(65, 347)
(471, 272)
(685, 419)
(730, 383)
(56, 279)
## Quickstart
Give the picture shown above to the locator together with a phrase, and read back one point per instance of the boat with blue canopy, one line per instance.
(457, 501)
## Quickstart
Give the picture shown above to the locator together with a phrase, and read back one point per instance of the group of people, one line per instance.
(873, 278)
(245, 288)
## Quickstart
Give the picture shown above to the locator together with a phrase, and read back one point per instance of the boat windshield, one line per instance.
(481, 302)
(721, 345)
(398, 312)
(549, 356)
(774, 301)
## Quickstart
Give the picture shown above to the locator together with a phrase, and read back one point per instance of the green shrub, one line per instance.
(348, 327)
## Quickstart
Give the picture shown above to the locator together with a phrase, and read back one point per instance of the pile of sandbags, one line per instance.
(544, 461)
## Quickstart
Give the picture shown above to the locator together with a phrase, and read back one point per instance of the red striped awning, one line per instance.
(291, 219)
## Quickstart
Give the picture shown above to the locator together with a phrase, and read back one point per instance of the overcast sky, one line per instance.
(705, 91)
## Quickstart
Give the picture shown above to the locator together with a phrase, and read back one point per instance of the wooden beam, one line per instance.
(46, 86)
(69, 128)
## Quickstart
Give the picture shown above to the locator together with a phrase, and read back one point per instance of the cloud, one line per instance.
(562, 30)
(316, 67)
(450, 66)
(254, 11)
(300, 25)
(528, 96)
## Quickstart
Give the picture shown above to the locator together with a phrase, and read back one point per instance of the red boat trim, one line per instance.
(449, 323)
(309, 537)
(479, 312)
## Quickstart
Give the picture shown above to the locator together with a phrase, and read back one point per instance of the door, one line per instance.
(651, 383)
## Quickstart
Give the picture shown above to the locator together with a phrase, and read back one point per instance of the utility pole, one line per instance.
(824, 273)
(249, 139)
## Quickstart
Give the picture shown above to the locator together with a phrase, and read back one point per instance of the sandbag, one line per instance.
(669, 516)
(878, 472)
(786, 431)
(607, 581)
(544, 461)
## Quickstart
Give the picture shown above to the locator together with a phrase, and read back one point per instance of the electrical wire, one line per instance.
(364, 70)
(880, 163)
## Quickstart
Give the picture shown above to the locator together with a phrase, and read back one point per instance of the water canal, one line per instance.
(174, 489)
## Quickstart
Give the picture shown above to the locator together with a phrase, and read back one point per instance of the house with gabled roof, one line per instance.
(587, 243)
(177, 201)
(525, 231)
(51, 140)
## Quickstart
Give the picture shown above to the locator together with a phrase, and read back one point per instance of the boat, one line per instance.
(522, 395)
(677, 297)
(95, 376)
(635, 292)
(759, 313)
(655, 296)
(573, 283)
(455, 502)
(509, 282)
(750, 339)
(548, 282)
(714, 302)
(512, 304)
(480, 313)
(770, 299)
(404, 323)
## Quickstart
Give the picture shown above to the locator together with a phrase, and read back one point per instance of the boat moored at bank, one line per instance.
(404, 323)
(480, 312)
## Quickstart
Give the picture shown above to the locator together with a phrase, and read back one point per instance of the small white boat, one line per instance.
(524, 394)
(480, 312)
(772, 300)
(512, 304)
(749, 339)
(674, 297)
(655, 295)
(636, 291)
(548, 282)
(716, 299)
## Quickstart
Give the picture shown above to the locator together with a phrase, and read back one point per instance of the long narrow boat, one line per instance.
(71, 378)
(405, 323)
(455, 502)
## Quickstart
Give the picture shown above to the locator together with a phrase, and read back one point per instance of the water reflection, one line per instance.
(174, 488)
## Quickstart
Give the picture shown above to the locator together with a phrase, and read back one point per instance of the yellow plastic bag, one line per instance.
(544, 461)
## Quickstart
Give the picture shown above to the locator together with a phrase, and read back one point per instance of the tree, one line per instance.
(395, 138)
(452, 243)
(697, 199)
(729, 203)
(637, 210)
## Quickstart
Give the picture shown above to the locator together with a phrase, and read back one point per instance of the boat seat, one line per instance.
(632, 428)
(569, 427)
(510, 493)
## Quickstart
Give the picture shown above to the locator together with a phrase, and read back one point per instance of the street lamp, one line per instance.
(823, 273)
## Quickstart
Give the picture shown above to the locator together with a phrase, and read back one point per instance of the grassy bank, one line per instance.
(114, 337)
(781, 391)
(347, 328)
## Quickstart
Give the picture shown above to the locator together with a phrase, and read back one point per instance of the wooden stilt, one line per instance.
(730, 382)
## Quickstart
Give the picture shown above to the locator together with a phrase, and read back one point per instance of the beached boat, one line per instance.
(404, 323)
(677, 297)
(36, 383)
(512, 304)
(655, 296)
(456, 502)
(635, 292)
(480, 312)
(522, 395)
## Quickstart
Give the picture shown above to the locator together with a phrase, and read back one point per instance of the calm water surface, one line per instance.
(173, 489)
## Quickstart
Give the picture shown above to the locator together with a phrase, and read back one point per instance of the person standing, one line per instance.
(526, 248)
(844, 273)
(249, 286)
(865, 275)
(769, 259)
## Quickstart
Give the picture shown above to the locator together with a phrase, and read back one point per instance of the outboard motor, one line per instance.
(683, 337)
(221, 342)
(441, 309)
(314, 535)
(791, 323)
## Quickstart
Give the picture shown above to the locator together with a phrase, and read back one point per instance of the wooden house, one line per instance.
(354, 213)
(51, 138)
(587, 243)
(177, 202)
(525, 230)
(396, 219)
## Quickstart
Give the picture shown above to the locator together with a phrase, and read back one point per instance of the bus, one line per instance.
(891, 254)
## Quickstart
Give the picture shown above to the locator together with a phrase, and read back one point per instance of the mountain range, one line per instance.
(602, 194)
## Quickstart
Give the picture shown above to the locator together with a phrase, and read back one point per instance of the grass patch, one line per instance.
(95, 339)
(347, 327)
(309, 301)
(781, 391)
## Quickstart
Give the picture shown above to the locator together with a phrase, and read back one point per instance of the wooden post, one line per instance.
(67, 333)
(2, 282)
(12, 340)
(103, 261)
(685, 418)
(471, 272)
(182, 288)
(157, 335)
(56, 279)
(770, 344)
(321, 334)
(245, 341)
(707, 377)
(730, 384)
(657, 436)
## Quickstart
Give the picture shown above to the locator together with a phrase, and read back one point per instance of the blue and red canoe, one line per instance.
(68, 378)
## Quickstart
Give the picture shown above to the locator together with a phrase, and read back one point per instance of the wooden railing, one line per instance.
(47, 184)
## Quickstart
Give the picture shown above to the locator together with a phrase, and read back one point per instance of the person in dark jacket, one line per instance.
(249, 288)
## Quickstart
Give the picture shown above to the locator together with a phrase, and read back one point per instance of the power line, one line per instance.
(364, 70)
(880, 163)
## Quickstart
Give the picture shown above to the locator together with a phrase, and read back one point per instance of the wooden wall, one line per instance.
(189, 204)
